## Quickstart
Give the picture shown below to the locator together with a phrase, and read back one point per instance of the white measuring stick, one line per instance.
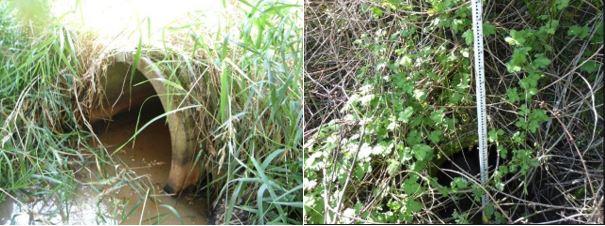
(480, 87)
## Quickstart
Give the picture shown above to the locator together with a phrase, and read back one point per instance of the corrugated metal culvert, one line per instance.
(123, 89)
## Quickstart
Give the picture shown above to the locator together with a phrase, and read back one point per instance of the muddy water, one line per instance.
(148, 156)
(83, 209)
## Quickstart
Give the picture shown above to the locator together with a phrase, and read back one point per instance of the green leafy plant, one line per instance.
(407, 107)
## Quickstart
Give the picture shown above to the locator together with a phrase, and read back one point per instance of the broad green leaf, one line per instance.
(437, 116)
(550, 27)
(459, 183)
(468, 37)
(580, 31)
(422, 152)
(377, 12)
(518, 59)
(541, 61)
(536, 118)
(488, 29)
(512, 95)
(411, 186)
(404, 116)
(503, 152)
(590, 66)
(413, 137)
(494, 134)
(413, 206)
(516, 38)
(562, 4)
(394, 205)
(435, 136)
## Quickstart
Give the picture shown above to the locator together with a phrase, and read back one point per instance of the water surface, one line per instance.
(148, 156)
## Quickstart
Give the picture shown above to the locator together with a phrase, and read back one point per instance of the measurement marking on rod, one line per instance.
(480, 87)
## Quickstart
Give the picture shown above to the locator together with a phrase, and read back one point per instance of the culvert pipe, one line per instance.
(118, 94)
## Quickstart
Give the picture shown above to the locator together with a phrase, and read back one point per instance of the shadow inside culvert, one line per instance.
(126, 103)
(149, 156)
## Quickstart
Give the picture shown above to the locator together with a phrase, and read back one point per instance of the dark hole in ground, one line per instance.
(464, 162)
(467, 162)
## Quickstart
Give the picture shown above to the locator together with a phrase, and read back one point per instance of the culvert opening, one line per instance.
(129, 102)
(149, 153)
(127, 83)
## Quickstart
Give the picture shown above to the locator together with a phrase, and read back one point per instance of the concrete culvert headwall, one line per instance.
(121, 92)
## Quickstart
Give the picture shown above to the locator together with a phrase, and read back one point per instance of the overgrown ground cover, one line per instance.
(244, 83)
(390, 128)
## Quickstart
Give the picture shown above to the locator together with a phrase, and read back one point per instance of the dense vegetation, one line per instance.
(246, 87)
(390, 130)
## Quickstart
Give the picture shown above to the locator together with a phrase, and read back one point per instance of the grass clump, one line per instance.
(42, 143)
(253, 93)
(391, 130)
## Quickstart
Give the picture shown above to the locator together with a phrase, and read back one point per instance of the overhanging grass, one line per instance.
(250, 84)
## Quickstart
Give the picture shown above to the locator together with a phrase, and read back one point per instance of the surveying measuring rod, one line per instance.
(480, 88)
